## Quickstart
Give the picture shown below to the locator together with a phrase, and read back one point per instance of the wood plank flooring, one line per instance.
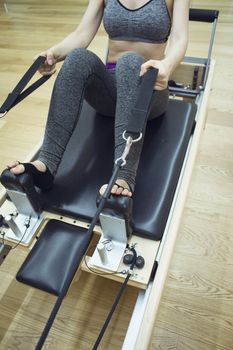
(196, 310)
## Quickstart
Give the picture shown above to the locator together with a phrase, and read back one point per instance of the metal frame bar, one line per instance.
(210, 51)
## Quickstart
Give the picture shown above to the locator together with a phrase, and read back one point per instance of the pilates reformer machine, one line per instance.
(134, 240)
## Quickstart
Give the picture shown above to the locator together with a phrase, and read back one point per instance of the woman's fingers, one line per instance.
(48, 67)
(49, 72)
(159, 86)
(147, 65)
(163, 76)
(50, 58)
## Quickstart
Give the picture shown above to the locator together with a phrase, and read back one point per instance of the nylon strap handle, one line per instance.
(17, 95)
(140, 111)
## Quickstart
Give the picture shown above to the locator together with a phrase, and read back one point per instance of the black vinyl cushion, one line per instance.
(23, 183)
(54, 259)
(88, 161)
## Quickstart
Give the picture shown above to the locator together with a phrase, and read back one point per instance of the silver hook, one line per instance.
(133, 140)
(128, 145)
(3, 114)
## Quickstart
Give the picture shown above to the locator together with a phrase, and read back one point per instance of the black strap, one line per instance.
(17, 95)
(49, 323)
(116, 302)
(140, 112)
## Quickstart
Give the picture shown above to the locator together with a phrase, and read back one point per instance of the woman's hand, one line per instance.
(163, 74)
(49, 66)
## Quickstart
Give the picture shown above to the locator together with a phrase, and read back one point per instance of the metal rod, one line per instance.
(210, 51)
(12, 224)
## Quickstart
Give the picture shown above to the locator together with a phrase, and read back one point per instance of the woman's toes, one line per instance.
(12, 164)
(40, 165)
(126, 192)
(104, 187)
(102, 190)
(123, 188)
(115, 189)
(18, 169)
(119, 190)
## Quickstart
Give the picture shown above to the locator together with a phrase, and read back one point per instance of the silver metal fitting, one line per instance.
(133, 140)
(129, 142)
(3, 114)
(12, 224)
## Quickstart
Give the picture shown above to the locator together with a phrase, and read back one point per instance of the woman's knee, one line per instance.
(129, 61)
(80, 59)
(79, 53)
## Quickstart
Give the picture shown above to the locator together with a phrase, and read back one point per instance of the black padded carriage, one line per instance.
(88, 161)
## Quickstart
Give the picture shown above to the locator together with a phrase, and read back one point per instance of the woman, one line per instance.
(138, 32)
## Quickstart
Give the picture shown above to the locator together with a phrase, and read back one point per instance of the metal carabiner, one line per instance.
(133, 140)
(3, 114)
(129, 142)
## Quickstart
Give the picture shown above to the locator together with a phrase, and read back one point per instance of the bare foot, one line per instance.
(122, 188)
(17, 168)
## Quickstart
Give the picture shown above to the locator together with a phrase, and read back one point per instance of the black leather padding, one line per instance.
(88, 161)
(54, 259)
(203, 15)
(22, 183)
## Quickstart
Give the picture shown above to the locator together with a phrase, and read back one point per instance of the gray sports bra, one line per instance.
(149, 23)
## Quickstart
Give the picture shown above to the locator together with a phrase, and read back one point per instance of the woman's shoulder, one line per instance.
(98, 2)
(96, 5)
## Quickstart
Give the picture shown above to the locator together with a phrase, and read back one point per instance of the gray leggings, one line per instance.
(84, 76)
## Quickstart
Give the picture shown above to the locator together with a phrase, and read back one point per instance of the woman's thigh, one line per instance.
(86, 76)
(100, 91)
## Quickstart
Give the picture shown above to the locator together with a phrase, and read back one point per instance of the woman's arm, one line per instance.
(80, 37)
(176, 48)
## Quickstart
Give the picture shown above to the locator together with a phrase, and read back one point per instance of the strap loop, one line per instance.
(140, 111)
(17, 95)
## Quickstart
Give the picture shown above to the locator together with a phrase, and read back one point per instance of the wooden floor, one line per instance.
(196, 310)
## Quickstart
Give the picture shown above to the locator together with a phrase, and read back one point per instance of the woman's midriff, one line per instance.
(147, 50)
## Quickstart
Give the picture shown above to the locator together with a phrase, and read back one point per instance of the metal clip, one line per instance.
(133, 140)
(3, 114)
(129, 142)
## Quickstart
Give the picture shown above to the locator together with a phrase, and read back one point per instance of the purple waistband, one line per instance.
(111, 65)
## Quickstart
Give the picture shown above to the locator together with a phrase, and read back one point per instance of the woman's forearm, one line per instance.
(175, 53)
(72, 41)
(178, 40)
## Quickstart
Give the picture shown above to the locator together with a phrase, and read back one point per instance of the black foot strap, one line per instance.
(43, 180)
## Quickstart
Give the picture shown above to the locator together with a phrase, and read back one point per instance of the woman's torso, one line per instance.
(140, 26)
